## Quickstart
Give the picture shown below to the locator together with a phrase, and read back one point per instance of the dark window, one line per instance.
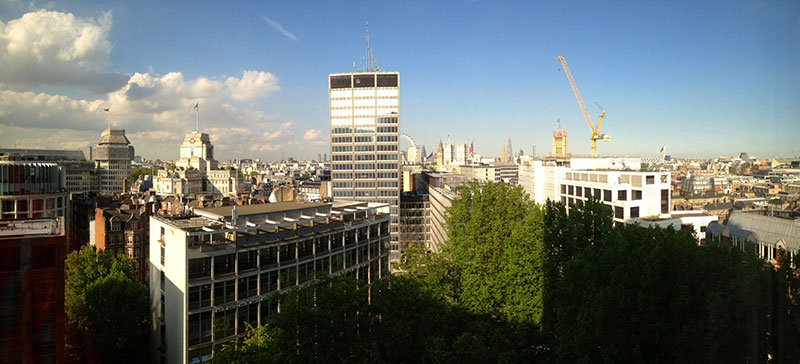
(619, 212)
(635, 211)
(606, 195)
(287, 252)
(248, 315)
(664, 201)
(564, 189)
(387, 80)
(268, 307)
(323, 265)
(337, 262)
(364, 81)
(43, 256)
(269, 282)
(248, 287)
(224, 292)
(163, 258)
(199, 296)
(650, 180)
(579, 192)
(163, 279)
(563, 199)
(199, 268)
(571, 190)
(305, 249)
(702, 229)
(622, 195)
(341, 82)
(597, 193)
(288, 277)
(636, 195)
(224, 264)
(247, 260)
(269, 256)
(349, 237)
(224, 323)
(321, 244)
(199, 328)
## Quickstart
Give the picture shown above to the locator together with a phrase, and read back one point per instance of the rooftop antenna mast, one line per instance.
(368, 60)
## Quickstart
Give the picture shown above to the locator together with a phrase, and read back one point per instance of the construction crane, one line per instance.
(594, 131)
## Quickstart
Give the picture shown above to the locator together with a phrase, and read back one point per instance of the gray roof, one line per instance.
(757, 227)
(113, 136)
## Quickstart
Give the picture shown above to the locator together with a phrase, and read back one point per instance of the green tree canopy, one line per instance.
(107, 311)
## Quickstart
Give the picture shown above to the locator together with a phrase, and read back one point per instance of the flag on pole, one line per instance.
(196, 106)
(471, 150)
(106, 109)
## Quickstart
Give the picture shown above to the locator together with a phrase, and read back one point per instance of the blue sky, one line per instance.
(703, 78)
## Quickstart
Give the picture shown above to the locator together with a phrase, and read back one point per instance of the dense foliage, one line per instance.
(522, 283)
(136, 172)
(107, 310)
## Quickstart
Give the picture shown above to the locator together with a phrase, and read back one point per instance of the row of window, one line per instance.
(226, 322)
(200, 268)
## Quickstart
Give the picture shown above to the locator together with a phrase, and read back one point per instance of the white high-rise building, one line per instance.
(364, 124)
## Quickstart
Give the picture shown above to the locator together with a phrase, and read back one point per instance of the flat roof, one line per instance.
(244, 210)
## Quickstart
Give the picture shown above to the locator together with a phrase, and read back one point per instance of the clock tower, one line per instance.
(197, 152)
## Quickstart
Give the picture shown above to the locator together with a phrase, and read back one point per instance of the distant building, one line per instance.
(762, 231)
(197, 171)
(78, 174)
(221, 269)
(559, 143)
(113, 156)
(630, 194)
(414, 216)
(493, 172)
(694, 220)
(125, 230)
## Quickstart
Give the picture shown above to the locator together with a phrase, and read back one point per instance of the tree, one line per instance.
(107, 311)
(493, 260)
(653, 295)
(136, 172)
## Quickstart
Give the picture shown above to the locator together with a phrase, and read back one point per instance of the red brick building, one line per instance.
(125, 230)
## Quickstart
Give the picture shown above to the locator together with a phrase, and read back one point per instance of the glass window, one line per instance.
(321, 244)
(248, 286)
(199, 328)
(619, 213)
(247, 260)
(224, 292)
(248, 315)
(636, 195)
(622, 195)
(224, 323)
(635, 211)
(269, 282)
(650, 180)
(288, 252)
(199, 296)
(200, 268)
(606, 195)
(224, 264)
(269, 256)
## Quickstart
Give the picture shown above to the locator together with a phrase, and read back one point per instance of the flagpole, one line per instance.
(197, 120)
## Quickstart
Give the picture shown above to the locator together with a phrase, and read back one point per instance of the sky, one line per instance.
(703, 78)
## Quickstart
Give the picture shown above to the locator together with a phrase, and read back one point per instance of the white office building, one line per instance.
(217, 271)
(364, 124)
(197, 171)
(631, 194)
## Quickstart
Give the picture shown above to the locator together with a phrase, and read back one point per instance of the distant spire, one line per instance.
(367, 59)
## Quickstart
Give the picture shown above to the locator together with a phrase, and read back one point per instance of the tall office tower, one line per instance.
(364, 122)
(112, 157)
(559, 143)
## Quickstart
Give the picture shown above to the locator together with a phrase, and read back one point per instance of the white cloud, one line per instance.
(53, 48)
(315, 136)
(253, 85)
(155, 110)
(277, 26)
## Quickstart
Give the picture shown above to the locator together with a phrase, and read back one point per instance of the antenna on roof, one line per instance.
(367, 51)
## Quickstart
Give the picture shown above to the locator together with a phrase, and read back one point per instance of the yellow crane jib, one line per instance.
(594, 131)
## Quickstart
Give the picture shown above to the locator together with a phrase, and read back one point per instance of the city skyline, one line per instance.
(702, 79)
